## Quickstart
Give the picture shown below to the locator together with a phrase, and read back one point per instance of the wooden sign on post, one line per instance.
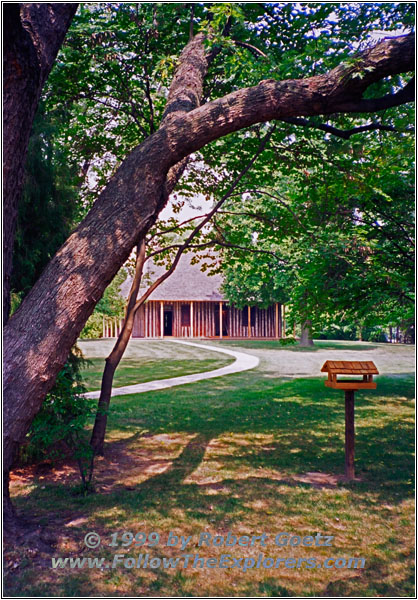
(366, 369)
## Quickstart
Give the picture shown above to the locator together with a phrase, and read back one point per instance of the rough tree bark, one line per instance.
(33, 34)
(113, 360)
(184, 95)
(38, 337)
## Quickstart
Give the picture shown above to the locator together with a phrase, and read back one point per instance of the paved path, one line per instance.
(243, 362)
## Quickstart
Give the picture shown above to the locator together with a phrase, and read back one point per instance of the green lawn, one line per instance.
(318, 345)
(247, 453)
(134, 370)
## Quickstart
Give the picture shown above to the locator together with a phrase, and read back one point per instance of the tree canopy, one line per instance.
(337, 233)
(140, 88)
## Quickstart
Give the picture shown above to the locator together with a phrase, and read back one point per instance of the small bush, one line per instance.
(289, 341)
(339, 332)
(374, 334)
(58, 429)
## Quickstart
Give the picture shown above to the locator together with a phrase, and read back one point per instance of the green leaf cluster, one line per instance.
(49, 207)
(59, 428)
(339, 223)
(111, 305)
(337, 220)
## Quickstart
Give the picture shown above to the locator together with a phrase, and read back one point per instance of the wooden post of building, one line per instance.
(162, 318)
(349, 434)
(277, 321)
(220, 319)
(191, 319)
(249, 321)
(284, 320)
(104, 328)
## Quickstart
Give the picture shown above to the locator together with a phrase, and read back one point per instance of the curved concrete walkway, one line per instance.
(243, 362)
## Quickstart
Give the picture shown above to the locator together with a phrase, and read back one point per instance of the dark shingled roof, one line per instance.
(187, 282)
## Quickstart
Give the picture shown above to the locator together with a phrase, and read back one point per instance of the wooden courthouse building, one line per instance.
(190, 304)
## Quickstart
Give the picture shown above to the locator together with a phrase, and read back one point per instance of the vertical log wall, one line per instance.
(265, 323)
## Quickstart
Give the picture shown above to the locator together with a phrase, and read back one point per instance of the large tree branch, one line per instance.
(403, 96)
(342, 133)
(190, 74)
(39, 335)
(199, 227)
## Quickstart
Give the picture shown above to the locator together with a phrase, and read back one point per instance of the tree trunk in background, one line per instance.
(306, 334)
(33, 34)
(114, 358)
(38, 337)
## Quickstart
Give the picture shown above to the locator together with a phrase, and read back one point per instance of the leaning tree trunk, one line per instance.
(33, 34)
(113, 360)
(144, 176)
(38, 337)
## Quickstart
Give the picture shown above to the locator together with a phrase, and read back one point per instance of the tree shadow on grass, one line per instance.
(181, 467)
(372, 581)
(243, 449)
(285, 429)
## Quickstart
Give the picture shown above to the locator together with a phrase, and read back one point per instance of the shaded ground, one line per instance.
(247, 453)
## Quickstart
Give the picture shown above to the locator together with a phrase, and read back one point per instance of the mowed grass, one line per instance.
(135, 370)
(318, 345)
(248, 454)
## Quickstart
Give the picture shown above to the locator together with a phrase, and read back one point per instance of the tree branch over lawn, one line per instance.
(113, 360)
(75, 279)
